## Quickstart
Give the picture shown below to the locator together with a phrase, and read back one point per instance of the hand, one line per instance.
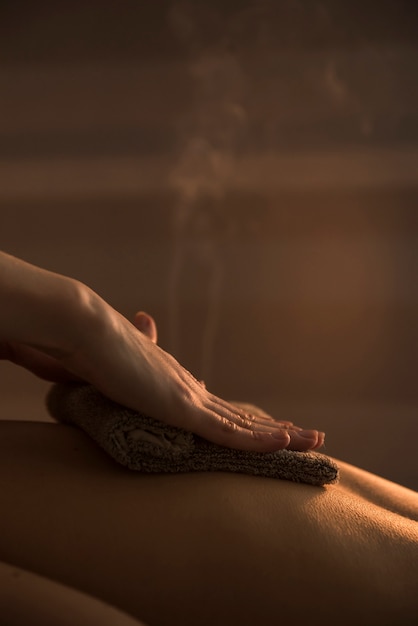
(64, 331)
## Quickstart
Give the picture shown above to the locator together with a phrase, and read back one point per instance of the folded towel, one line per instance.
(142, 443)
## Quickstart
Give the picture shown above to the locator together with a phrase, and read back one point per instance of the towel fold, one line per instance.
(147, 445)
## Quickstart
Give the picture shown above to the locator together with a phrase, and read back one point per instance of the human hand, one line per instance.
(61, 330)
(146, 324)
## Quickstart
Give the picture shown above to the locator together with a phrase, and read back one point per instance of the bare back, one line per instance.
(206, 548)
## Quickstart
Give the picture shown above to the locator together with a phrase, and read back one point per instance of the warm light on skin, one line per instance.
(26, 598)
(351, 547)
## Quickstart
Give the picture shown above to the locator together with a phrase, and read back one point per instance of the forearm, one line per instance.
(59, 329)
(40, 308)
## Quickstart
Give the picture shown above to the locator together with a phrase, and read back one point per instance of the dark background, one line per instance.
(247, 173)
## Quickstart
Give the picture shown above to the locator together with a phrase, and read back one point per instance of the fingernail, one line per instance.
(309, 434)
(280, 434)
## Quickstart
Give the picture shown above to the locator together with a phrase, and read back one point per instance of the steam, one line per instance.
(199, 178)
(302, 92)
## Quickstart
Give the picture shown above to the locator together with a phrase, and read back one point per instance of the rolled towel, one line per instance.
(148, 445)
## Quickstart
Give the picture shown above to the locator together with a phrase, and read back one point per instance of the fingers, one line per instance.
(228, 433)
(228, 426)
(252, 436)
(146, 324)
(299, 439)
(40, 364)
(243, 409)
(321, 440)
(303, 440)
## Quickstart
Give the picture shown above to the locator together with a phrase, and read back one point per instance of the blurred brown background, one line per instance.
(247, 173)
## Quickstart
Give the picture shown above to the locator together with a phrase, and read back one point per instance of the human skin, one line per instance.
(60, 329)
(27, 599)
(206, 548)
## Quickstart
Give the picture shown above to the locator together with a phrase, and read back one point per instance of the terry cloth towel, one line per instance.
(147, 445)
